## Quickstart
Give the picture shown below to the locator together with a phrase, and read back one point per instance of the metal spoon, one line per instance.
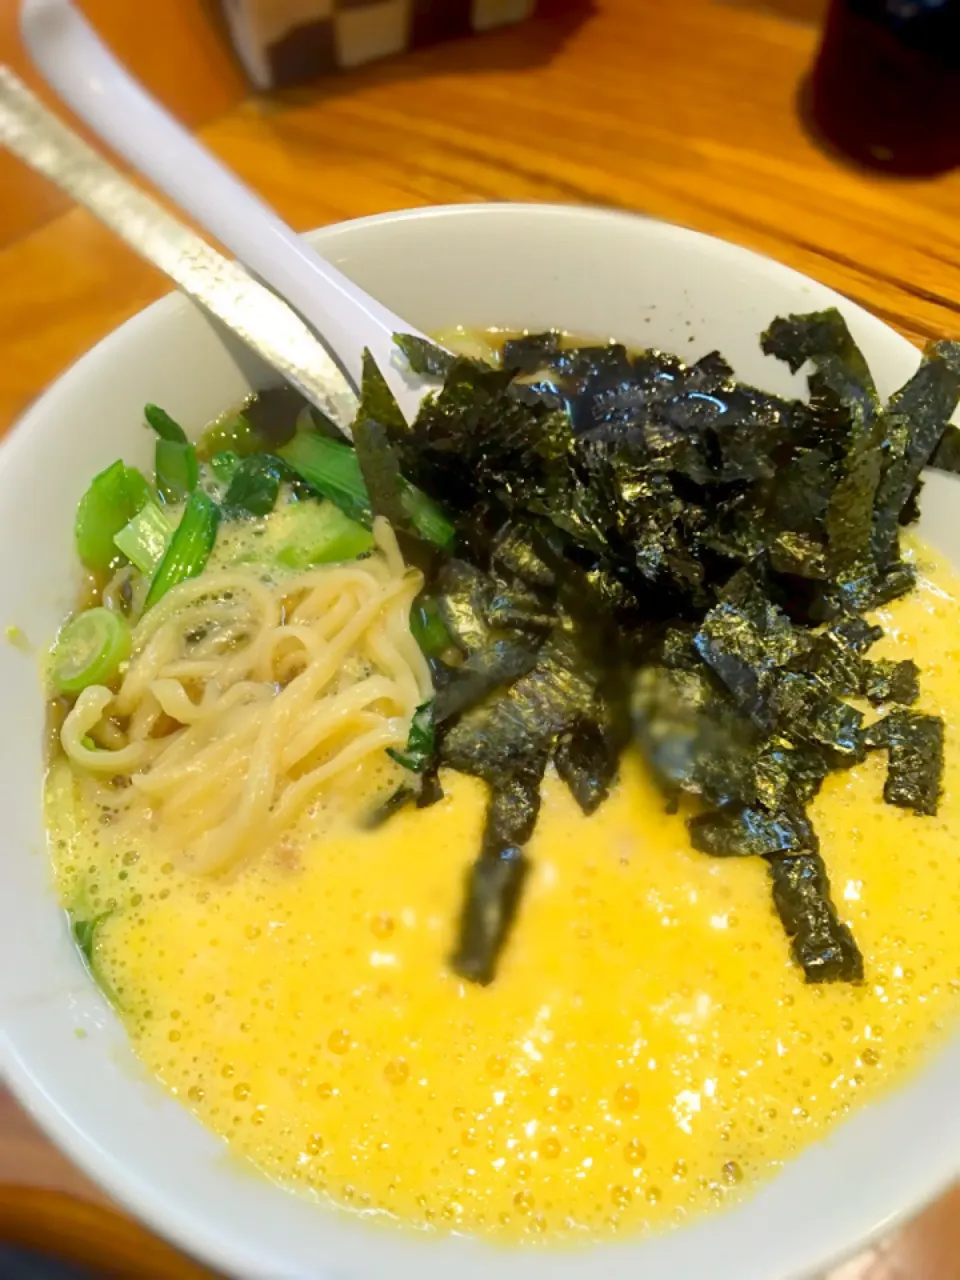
(86, 75)
(257, 316)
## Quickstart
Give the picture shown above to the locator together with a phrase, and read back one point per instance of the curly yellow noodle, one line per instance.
(246, 697)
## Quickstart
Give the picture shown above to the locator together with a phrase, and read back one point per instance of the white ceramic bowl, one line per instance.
(61, 1048)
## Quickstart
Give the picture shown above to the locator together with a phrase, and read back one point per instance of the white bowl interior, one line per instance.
(61, 1047)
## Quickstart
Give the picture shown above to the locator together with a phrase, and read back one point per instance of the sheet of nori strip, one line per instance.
(741, 832)
(587, 759)
(915, 419)
(822, 944)
(914, 743)
(494, 883)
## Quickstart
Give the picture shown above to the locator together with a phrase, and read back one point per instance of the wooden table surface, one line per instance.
(685, 110)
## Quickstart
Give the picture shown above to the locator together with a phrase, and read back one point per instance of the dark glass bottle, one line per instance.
(885, 89)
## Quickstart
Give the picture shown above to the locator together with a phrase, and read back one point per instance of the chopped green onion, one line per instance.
(164, 425)
(112, 500)
(319, 533)
(334, 470)
(427, 627)
(177, 470)
(89, 650)
(145, 539)
(427, 518)
(234, 432)
(85, 934)
(189, 548)
(224, 464)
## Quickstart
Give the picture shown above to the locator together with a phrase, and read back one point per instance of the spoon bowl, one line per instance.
(86, 75)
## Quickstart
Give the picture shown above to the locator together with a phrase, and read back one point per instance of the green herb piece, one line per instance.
(915, 762)
(424, 358)
(501, 663)
(312, 533)
(85, 935)
(112, 500)
(177, 470)
(233, 433)
(224, 464)
(145, 539)
(427, 627)
(254, 485)
(89, 650)
(333, 469)
(426, 518)
(189, 548)
(822, 944)
(165, 427)
(740, 831)
(420, 750)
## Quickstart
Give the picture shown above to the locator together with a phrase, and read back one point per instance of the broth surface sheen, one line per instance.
(648, 1050)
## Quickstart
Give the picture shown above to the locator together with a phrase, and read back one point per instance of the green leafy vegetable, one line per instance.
(224, 464)
(89, 650)
(145, 539)
(312, 533)
(85, 934)
(333, 469)
(254, 485)
(177, 470)
(420, 750)
(189, 548)
(112, 500)
(165, 427)
(233, 433)
(428, 627)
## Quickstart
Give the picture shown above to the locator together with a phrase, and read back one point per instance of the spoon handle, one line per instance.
(224, 288)
(77, 63)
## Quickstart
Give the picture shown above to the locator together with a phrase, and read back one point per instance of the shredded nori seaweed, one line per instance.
(652, 551)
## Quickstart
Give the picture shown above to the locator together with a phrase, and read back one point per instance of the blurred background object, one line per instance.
(286, 42)
(885, 89)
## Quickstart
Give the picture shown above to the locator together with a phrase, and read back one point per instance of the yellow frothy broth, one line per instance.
(648, 1049)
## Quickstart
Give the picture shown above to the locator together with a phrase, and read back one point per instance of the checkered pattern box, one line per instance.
(285, 42)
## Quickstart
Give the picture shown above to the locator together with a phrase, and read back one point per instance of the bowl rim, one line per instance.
(132, 1188)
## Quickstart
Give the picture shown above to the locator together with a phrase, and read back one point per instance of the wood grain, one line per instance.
(686, 111)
